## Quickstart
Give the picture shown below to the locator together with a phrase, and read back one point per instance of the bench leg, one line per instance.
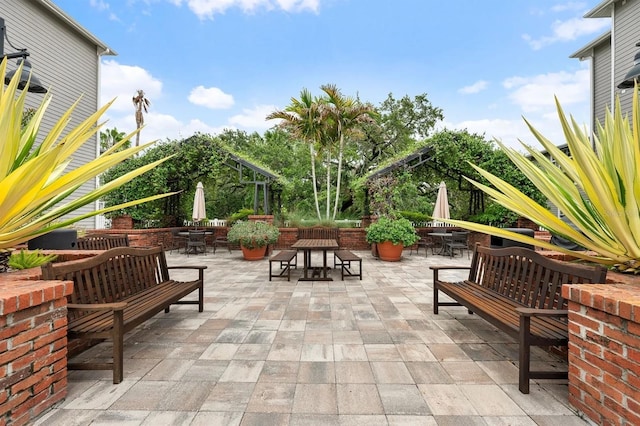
(525, 354)
(118, 346)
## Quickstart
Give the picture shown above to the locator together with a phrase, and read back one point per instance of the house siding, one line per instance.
(601, 63)
(66, 62)
(626, 26)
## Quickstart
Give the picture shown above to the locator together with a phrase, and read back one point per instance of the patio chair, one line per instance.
(179, 241)
(424, 241)
(221, 241)
(457, 241)
(196, 243)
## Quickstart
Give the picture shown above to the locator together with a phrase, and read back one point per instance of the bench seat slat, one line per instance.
(343, 259)
(287, 260)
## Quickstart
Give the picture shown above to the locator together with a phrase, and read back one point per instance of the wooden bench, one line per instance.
(287, 259)
(116, 291)
(102, 241)
(319, 233)
(519, 291)
(343, 258)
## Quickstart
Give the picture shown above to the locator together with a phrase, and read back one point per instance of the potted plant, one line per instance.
(253, 237)
(391, 236)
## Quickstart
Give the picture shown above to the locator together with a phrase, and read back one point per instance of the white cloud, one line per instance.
(568, 30)
(99, 4)
(571, 5)
(476, 87)
(161, 127)
(123, 81)
(207, 8)
(103, 6)
(254, 119)
(211, 97)
(534, 94)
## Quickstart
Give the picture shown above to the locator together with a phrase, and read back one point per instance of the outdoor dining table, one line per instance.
(443, 238)
(186, 234)
(307, 246)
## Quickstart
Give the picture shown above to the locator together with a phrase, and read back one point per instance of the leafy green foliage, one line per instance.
(30, 259)
(251, 234)
(394, 230)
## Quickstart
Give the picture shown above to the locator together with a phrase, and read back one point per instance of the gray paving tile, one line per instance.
(315, 399)
(316, 372)
(358, 399)
(354, 372)
(270, 397)
(402, 399)
(228, 397)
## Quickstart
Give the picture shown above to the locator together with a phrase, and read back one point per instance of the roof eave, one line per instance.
(587, 51)
(105, 50)
(602, 10)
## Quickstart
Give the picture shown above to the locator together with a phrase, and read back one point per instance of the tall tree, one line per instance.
(303, 118)
(345, 115)
(141, 103)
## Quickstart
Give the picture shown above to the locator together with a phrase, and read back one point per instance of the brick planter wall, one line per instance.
(33, 347)
(604, 351)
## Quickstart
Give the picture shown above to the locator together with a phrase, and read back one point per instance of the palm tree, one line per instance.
(110, 137)
(303, 118)
(345, 115)
(142, 104)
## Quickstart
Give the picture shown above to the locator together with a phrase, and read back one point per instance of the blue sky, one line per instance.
(207, 65)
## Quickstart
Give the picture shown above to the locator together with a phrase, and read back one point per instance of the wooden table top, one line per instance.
(317, 244)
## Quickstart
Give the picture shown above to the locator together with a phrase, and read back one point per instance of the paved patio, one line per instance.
(350, 352)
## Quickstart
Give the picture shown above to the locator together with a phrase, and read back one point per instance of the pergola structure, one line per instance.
(418, 158)
(262, 179)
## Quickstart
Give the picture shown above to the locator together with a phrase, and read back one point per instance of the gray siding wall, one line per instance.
(66, 63)
(627, 34)
(601, 63)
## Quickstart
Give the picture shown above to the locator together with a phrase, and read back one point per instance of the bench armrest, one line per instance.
(533, 312)
(441, 268)
(115, 306)
(187, 267)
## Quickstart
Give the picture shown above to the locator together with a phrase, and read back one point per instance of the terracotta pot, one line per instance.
(389, 251)
(253, 254)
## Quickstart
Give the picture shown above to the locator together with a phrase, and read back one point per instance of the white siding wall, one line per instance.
(65, 62)
(602, 82)
(627, 34)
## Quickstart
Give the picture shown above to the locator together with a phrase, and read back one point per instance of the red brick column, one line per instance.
(33, 347)
(604, 351)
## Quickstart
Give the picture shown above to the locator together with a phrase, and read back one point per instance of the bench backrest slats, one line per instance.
(102, 242)
(318, 233)
(111, 275)
(529, 277)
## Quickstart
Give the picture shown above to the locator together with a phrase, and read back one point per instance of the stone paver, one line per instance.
(355, 352)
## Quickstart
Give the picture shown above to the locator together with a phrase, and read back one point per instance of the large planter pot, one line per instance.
(389, 251)
(253, 254)
(58, 239)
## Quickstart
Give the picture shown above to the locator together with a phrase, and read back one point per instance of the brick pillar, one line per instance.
(604, 352)
(33, 347)
(262, 217)
(122, 222)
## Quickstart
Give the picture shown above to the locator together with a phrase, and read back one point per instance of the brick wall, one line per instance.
(604, 352)
(33, 347)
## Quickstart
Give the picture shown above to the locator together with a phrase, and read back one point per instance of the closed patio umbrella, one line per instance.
(199, 211)
(441, 209)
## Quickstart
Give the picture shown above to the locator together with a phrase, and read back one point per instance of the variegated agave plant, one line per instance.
(597, 187)
(35, 180)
